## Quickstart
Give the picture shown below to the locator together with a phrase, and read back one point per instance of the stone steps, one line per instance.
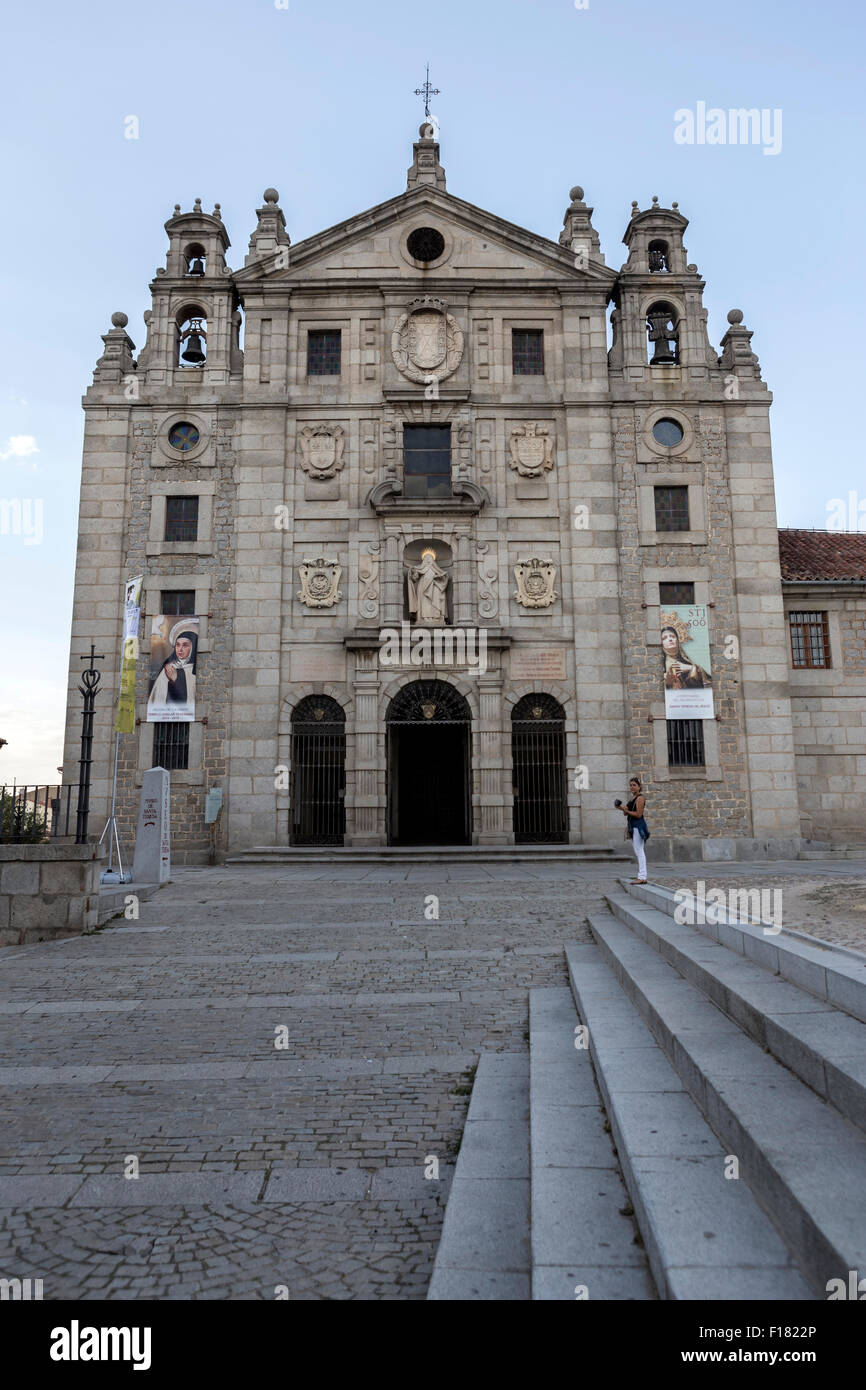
(822, 1045)
(803, 1160)
(830, 973)
(583, 1239)
(705, 1236)
(392, 856)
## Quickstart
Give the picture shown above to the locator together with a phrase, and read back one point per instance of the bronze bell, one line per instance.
(196, 267)
(193, 351)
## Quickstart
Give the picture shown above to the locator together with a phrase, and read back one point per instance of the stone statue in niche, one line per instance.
(531, 450)
(535, 583)
(322, 449)
(427, 587)
(320, 580)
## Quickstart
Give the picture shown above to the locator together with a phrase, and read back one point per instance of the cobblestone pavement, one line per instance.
(299, 1168)
(302, 1168)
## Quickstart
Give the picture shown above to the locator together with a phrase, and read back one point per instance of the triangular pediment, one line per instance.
(479, 246)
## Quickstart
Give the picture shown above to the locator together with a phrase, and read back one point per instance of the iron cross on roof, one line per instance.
(427, 92)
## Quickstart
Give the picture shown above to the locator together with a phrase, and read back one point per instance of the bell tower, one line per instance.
(659, 322)
(193, 327)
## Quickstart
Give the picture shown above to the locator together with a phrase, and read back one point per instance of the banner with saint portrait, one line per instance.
(173, 659)
(686, 664)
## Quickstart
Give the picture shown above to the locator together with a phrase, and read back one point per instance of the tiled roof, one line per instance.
(827, 555)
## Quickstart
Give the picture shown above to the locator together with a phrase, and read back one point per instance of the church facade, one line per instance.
(445, 530)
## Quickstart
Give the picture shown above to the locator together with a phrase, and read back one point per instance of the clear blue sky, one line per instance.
(317, 99)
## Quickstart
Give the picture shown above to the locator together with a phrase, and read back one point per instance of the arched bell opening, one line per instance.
(539, 778)
(429, 726)
(318, 782)
(195, 259)
(191, 324)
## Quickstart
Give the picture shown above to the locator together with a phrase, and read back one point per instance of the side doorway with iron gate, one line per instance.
(318, 780)
(539, 777)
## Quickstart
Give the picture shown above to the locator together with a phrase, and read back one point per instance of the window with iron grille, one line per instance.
(177, 602)
(673, 593)
(672, 508)
(527, 351)
(427, 461)
(810, 640)
(171, 746)
(323, 352)
(686, 743)
(181, 518)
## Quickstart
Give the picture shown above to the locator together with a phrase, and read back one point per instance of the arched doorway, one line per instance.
(318, 795)
(429, 762)
(539, 777)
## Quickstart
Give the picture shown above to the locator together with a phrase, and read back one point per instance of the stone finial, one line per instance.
(116, 361)
(270, 234)
(737, 355)
(426, 171)
(197, 205)
(217, 213)
(578, 233)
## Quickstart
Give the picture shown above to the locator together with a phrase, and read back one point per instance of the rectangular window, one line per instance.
(672, 508)
(181, 518)
(323, 352)
(810, 640)
(686, 743)
(171, 746)
(674, 593)
(427, 461)
(177, 601)
(527, 351)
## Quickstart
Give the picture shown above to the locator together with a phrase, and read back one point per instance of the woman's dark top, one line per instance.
(636, 822)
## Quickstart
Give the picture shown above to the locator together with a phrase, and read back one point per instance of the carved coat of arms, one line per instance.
(320, 580)
(322, 449)
(535, 583)
(531, 450)
(427, 343)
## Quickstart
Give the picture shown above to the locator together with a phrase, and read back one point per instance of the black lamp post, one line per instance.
(89, 685)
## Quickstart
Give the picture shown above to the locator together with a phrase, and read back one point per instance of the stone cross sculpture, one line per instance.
(427, 585)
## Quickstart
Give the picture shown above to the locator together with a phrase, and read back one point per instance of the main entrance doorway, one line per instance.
(429, 763)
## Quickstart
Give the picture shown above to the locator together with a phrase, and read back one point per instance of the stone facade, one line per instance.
(307, 527)
(824, 574)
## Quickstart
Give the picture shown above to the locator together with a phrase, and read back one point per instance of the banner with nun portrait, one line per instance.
(686, 661)
(173, 657)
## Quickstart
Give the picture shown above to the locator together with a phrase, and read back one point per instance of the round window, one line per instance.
(183, 436)
(425, 244)
(668, 432)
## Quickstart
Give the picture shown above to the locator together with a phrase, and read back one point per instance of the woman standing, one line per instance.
(637, 830)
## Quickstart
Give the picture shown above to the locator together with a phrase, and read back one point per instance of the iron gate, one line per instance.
(318, 815)
(539, 777)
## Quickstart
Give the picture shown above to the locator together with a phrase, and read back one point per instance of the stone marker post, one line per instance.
(152, 863)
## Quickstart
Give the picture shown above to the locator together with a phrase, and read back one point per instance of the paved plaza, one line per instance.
(281, 1053)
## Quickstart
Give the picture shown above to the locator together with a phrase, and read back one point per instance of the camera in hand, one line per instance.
(617, 803)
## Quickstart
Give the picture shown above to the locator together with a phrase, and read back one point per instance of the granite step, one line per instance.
(394, 855)
(705, 1235)
(583, 1242)
(829, 972)
(484, 1251)
(823, 1046)
(804, 1162)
